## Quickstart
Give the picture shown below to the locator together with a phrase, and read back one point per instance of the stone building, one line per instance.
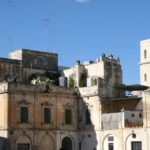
(23, 63)
(44, 106)
(37, 117)
(105, 73)
(40, 115)
(116, 115)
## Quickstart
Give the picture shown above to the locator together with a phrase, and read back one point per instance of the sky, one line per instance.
(77, 30)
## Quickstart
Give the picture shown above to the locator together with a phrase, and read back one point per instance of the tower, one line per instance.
(145, 79)
(145, 62)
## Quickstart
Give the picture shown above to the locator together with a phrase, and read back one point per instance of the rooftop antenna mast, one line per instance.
(54, 30)
(10, 5)
(10, 13)
(46, 21)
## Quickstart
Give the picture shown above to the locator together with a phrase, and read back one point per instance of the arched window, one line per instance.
(110, 143)
(145, 54)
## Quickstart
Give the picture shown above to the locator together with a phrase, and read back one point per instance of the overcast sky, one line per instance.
(77, 29)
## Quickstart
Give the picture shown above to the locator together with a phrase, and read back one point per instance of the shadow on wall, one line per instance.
(87, 133)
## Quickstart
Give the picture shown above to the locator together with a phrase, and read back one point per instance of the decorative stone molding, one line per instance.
(24, 102)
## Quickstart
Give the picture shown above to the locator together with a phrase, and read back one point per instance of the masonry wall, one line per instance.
(145, 62)
(4, 115)
(146, 107)
(127, 104)
(9, 68)
(36, 59)
(38, 134)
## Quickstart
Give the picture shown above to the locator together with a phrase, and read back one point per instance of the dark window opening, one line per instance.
(47, 115)
(145, 54)
(68, 116)
(87, 117)
(110, 138)
(23, 146)
(24, 114)
(136, 145)
(80, 145)
(145, 77)
(110, 146)
(66, 144)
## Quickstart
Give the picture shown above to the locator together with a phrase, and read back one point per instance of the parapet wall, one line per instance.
(36, 59)
(17, 87)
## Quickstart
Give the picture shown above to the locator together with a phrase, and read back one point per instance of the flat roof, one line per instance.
(9, 60)
(121, 98)
(35, 51)
(134, 87)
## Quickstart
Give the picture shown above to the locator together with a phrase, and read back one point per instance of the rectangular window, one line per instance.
(145, 77)
(110, 138)
(47, 115)
(24, 114)
(87, 117)
(145, 54)
(110, 146)
(136, 145)
(23, 146)
(68, 116)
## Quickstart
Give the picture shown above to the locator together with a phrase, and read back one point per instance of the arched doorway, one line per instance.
(67, 143)
(23, 142)
(46, 143)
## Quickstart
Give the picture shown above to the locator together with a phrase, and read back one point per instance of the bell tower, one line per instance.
(145, 62)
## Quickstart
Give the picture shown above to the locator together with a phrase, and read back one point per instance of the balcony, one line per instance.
(123, 119)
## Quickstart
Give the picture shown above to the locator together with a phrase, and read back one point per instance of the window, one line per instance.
(145, 54)
(110, 143)
(23, 114)
(47, 115)
(110, 138)
(68, 116)
(23, 146)
(87, 117)
(136, 145)
(110, 146)
(80, 145)
(145, 77)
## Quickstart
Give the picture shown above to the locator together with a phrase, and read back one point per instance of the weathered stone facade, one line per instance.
(24, 63)
(106, 72)
(35, 132)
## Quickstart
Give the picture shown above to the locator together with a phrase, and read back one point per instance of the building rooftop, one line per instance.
(134, 87)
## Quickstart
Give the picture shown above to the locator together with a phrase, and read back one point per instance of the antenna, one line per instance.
(54, 30)
(10, 6)
(10, 13)
(10, 43)
(46, 21)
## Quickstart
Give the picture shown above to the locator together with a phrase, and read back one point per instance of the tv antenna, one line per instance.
(10, 6)
(54, 30)
(10, 13)
(46, 21)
